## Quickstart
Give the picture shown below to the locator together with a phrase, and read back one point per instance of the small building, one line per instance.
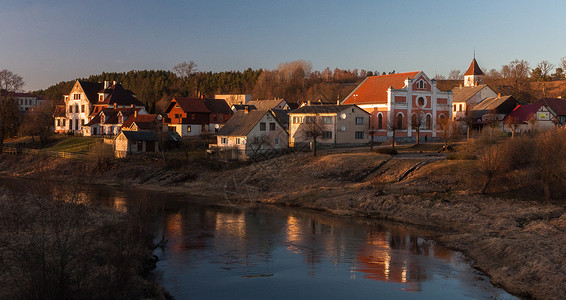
(471, 92)
(492, 110)
(545, 114)
(143, 122)
(108, 121)
(241, 107)
(130, 142)
(334, 124)
(27, 101)
(251, 133)
(235, 99)
(269, 104)
(196, 116)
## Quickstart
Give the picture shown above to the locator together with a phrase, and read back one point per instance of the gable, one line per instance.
(373, 89)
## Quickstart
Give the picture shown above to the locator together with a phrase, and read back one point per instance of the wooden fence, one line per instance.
(18, 150)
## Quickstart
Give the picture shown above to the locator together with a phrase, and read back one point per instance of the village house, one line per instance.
(545, 114)
(149, 122)
(269, 104)
(471, 92)
(250, 133)
(144, 133)
(396, 101)
(108, 121)
(235, 99)
(27, 101)
(86, 100)
(491, 111)
(334, 125)
(196, 116)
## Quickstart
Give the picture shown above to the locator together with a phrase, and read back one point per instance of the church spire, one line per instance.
(474, 74)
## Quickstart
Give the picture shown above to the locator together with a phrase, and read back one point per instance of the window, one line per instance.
(421, 84)
(271, 126)
(100, 97)
(82, 108)
(189, 128)
(82, 122)
(297, 120)
(140, 146)
(102, 118)
(428, 122)
(327, 135)
(76, 124)
(276, 141)
(224, 141)
(120, 119)
(64, 121)
(76, 108)
(177, 116)
(359, 134)
(379, 121)
(327, 120)
(461, 107)
(421, 101)
(359, 120)
(58, 122)
(70, 109)
(414, 120)
(399, 121)
(77, 96)
(309, 120)
(454, 107)
(262, 126)
(238, 141)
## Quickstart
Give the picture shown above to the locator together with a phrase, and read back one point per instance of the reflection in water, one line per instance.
(279, 253)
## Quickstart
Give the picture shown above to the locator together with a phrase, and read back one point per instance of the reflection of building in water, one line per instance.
(393, 257)
(293, 234)
(231, 224)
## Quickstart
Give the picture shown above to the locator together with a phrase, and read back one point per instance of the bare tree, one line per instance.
(185, 69)
(516, 76)
(394, 124)
(455, 75)
(545, 68)
(417, 122)
(489, 164)
(513, 123)
(491, 120)
(447, 128)
(38, 122)
(313, 128)
(10, 83)
(258, 143)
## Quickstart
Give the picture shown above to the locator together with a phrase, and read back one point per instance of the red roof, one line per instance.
(523, 113)
(474, 69)
(557, 105)
(189, 105)
(374, 88)
(139, 119)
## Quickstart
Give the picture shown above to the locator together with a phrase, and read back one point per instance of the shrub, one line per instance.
(461, 156)
(387, 151)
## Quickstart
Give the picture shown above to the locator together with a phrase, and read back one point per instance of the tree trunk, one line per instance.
(468, 132)
(393, 140)
(485, 184)
(418, 137)
(314, 147)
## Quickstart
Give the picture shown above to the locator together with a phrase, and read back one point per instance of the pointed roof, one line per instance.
(464, 93)
(217, 106)
(558, 105)
(91, 90)
(241, 123)
(523, 113)
(143, 121)
(474, 69)
(189, 105)
(120, 96)
(374, 88)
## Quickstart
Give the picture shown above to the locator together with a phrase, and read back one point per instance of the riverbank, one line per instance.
(520, 244)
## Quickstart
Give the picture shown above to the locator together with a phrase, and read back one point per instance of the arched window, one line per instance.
(428, 122)
(414, 121)
(399, 121)
(379, 121)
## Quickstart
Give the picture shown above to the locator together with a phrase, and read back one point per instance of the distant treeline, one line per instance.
(293, 81)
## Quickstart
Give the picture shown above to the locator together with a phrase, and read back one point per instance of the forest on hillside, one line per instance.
(296, 82)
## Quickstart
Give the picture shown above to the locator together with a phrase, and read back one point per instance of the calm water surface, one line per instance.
(224, 252)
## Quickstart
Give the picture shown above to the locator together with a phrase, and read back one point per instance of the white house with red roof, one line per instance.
(398, 100)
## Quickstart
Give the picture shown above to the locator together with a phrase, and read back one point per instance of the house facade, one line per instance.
(333, 125)
(396, 101)
(108, 121)
(196, 116)
(27, 101)
(545, 114)
(471, 92)
(86, 100)
(250, 133)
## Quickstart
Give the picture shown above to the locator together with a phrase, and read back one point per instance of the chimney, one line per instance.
(337, 102)
(106, 84)
(309, 103)
(132, 105)
(135, 114)
(498, 95)
(475, 83)
(202, 96)
(115, 105)
(246, 109)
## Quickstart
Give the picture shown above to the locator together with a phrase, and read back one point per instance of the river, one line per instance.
(269, 252)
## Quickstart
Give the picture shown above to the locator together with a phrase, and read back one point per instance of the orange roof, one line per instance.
(474, 69)
(374, 88)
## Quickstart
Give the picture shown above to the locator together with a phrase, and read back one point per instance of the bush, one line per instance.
(461, 156)
(387, 151)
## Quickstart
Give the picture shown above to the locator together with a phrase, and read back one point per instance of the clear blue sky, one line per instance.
(56, 40)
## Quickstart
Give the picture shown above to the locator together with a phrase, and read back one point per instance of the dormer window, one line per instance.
(120, 119)
(421, 84)
(102, 118)
(100, 97)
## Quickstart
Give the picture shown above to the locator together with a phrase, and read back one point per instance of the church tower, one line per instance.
(474, 75)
